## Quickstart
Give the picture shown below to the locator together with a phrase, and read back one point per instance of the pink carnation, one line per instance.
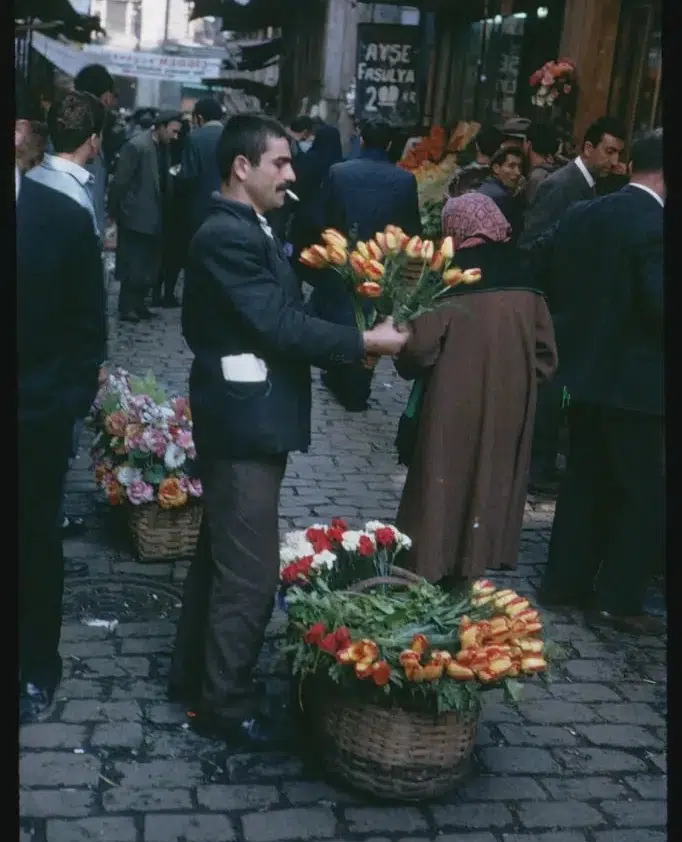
(183, 439)
(140, 492)
(194, 488)
(152, 441)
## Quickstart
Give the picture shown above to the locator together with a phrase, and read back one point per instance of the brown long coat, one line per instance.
(464, 497)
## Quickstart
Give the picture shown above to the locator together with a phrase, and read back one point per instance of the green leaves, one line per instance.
(154, 474)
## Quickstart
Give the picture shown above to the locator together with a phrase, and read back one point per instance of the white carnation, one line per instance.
(287, 555)
(127, 475)
(373, 525)
(324, 560)
(351, 540)
(174, 457)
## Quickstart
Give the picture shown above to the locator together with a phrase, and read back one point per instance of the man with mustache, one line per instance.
(253, 343)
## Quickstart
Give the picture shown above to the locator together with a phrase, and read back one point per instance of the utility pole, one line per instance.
(166, 23)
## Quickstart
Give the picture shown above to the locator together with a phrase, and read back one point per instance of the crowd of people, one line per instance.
(569, 279)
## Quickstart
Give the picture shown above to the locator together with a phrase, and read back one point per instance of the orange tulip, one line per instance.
(380, 240)
(381, 672)
(316, 257)
(357, 262)
(452, 277)
(413, 248)
(478, 601)
(447, 249)
(375, 250)
(532, 664)
(374, 270)
(482, 587)
(516, 606)
(363, 669)
(471, 636)
(363, 650)
(337, 255)
(441, 656)
(499, 627)
(369, 289)
(532, 646)
(413, 670)
(419, 644)
(433, 670)
(362, 248)
(466, 657)
(459, 671)
(428, 249)
(408, 656)
(332, 237)
(437, 262)
(471, 276)
(345, 655)
(529, 615)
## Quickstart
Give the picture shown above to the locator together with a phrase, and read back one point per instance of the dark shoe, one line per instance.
(170, 303)
(73, 526)
(182, 695)
(554, 599)
(641, 624)
(129, 316)
(34, 701)
(75, 568)
(145, 314)
(257, 734)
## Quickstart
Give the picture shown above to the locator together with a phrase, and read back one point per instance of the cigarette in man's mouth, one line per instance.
(292, 195)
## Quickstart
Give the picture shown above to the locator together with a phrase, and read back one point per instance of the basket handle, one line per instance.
(399, 577)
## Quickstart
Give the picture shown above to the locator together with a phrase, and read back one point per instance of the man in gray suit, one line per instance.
(137, 198)
(199, 174)
(574, 182)
(602, 146)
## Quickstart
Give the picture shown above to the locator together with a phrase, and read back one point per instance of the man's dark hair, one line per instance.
(163, 118)
(489, 139)
(247, 135)
(302, 124)
(94, 79)
(208, 109)
(500, 157)
(602, 126)
(647, 152)
(73, 119)
(543, 138)
(376, 134)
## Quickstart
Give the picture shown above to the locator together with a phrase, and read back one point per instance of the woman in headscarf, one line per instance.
(481, 360)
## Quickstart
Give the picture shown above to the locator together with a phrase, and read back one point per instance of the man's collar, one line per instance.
(589, 178)
(373, 154)
(54, 162)
(648, 190)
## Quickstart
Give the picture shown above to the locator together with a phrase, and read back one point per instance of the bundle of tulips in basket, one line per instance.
(384, 646)
(379, 275)
(143, 455)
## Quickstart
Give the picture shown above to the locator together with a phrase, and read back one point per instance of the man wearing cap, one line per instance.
(515, 132)
(139, 193)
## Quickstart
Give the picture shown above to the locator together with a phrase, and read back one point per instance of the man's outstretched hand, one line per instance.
(385, 339)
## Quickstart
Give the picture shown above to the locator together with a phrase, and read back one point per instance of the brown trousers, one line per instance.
(230, 588)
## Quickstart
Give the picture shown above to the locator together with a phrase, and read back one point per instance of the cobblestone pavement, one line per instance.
(582, 759)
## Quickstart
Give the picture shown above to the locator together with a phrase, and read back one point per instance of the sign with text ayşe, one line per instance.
(386, 76)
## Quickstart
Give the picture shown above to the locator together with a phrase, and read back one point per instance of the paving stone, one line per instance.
(596, 670)
(622, 736)
(121, 799)
(118, 735)
(648, 786)
(636, 813)
(80, 688)
(638, 692)
(598, 760)
(582, 692)
(161, 773)
(558, 814)
(64, 769)
(568, 836)
(538, 735)
(188, 828)
(145, 645)
(584, 788)
(314, 792)
(123, 667)
(630, 714)
(52, 735)
(88, 649)
(113, 829)
(227, 798)
(247, 768)
(384, 819)
(495, 788)
(87, 710)
(461, 837)
(533, 761)
(297, 823)
(471, 816)
(557, 712)
(631, 836)
(51, 803)
(136, 689)
(165, 713)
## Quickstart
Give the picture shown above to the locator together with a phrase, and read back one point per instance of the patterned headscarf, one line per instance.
(473, 219)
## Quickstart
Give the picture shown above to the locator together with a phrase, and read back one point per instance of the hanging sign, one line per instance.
(387, 74)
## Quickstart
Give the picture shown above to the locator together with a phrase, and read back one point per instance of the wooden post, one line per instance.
(589, 39)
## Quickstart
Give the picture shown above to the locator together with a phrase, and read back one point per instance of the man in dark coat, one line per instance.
(472, 175)
(608, 297)
(199, 164)
(61, 342)
(502, 186)
(361, 197)
(138, 198)
(574, 182)
(253, 344)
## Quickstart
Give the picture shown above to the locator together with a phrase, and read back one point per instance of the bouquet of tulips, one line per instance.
(375, 272)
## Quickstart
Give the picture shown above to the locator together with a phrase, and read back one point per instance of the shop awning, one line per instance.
(249, 15)
(71, 24)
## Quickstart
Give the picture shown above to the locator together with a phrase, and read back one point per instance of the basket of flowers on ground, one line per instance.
(390, 668)
(143, 454)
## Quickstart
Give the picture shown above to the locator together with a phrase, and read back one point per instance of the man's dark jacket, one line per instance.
(368, 193)
(553, 198)
(607, 299)
(242, 297)
(506, 201)
(61, 337)
(199, 170)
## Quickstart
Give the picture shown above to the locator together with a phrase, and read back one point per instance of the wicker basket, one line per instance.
(393, 753)
(162, 534)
